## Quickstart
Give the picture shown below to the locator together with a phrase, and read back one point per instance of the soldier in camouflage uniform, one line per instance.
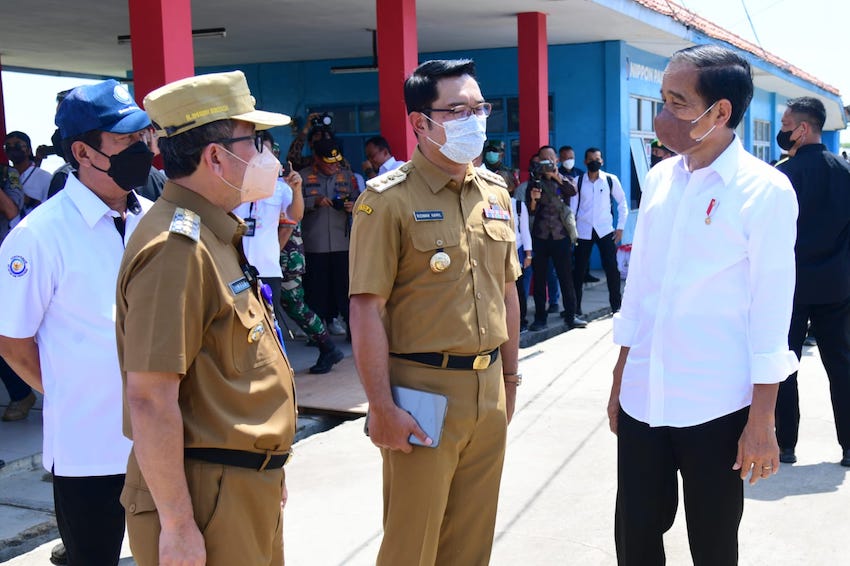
(292, 299)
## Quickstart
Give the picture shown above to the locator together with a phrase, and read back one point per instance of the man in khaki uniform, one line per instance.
(433, 304)
(209, 400)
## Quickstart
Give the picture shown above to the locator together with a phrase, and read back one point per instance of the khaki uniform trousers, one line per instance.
(237, 511)
(440, 503)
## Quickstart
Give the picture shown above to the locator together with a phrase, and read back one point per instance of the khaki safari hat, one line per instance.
(191, 102)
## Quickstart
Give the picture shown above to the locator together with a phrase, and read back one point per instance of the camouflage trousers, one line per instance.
(292, 299)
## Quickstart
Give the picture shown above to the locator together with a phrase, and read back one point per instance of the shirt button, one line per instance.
(483, 330)
(439, 242)
(478, 295)
(132, 508)
(474, 263)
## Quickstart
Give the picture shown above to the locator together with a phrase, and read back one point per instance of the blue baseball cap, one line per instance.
(105, 106)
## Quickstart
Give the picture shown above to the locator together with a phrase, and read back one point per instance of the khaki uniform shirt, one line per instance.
(184, 306)
(326, 229)
(398, 230)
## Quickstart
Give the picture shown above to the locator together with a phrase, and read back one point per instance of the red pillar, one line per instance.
(3, 159)
(397, 57)
(161, 32)
(533, 62)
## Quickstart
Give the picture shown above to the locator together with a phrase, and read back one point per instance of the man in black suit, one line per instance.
(822, 182)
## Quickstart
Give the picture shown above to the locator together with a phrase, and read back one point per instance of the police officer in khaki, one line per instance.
(209, 400)
(434, 308)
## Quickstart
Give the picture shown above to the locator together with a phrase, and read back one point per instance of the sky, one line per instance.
(806, 33)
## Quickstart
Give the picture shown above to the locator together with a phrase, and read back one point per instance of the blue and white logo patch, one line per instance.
(18, 266)
(122, 95)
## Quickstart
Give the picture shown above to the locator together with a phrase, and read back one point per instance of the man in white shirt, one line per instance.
(595, 224)
(34, 180)
(703, 321)
(379, 159)
(58, 328)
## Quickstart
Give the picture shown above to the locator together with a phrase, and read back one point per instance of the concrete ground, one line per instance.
(559, 483)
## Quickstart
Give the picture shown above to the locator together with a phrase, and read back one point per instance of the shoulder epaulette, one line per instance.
(389, 179)
(186, 223)
(493, 177)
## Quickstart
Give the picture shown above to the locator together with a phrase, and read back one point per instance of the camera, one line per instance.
(323, 122)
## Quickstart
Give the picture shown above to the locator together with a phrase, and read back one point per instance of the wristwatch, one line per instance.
(515, 378)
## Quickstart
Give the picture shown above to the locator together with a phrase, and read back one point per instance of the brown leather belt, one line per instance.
(239, 458)
(450, 361)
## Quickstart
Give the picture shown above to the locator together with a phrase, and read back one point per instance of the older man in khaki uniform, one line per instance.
(433, 304)
(208, 390)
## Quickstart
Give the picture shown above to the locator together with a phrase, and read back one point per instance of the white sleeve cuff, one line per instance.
(624, 330)
(773, 367)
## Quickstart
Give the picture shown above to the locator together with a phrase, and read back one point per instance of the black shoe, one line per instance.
(845, 460)
(58, 555)
(787, 456)
(590, 278)
(327, 360)
(553, 309)
(537, 325)
(577, 323)
(810, 341)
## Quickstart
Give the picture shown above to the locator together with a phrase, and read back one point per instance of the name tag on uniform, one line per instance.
(495, 212)
(250, 227)
(427, 215)
(240, 285)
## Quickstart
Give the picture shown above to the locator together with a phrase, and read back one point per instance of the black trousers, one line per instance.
(560, 252)
(608, 254)
(90, 518)
(647, 489)
(326, 284)
(831, 327)
(16, 387)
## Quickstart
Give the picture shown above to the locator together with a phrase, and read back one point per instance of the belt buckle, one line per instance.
(482, 361)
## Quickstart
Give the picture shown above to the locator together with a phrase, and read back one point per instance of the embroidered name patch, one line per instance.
(427, 215)
(18, 266)
(240, 285)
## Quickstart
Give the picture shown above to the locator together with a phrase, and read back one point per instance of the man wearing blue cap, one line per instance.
(58, 329)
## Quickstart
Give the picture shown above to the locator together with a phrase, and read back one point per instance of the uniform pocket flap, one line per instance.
(426, 240)
(500, 230)
(136, 500)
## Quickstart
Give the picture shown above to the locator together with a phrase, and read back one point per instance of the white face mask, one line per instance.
(569, 164)
(260, 176)
(464, 138)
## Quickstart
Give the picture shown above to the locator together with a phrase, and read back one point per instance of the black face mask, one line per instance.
(594, 166)
(783, 139)
(130, 167)
(16, 154)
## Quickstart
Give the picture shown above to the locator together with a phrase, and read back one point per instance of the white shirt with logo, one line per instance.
(59, 269)
(595, 210)
(708, 300)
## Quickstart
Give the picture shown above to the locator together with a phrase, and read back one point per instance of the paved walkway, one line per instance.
(559, 483)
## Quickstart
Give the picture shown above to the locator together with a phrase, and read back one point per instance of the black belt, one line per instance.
(450, 361)
(238, 458)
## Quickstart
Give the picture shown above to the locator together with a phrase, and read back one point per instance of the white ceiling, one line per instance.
(80, 36)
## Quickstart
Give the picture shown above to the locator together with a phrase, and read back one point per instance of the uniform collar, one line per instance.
(436, 178)
(91, 208)
(226, 226)
(811, 147)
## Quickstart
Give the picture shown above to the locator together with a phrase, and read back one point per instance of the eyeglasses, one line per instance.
(257, 137)
(463, 111)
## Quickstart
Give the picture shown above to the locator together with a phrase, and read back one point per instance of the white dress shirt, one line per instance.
(707, 306)
(59, 268)
(35, 183)
(388, 165)
(595, 210)
(523, 233)
(262, 250)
